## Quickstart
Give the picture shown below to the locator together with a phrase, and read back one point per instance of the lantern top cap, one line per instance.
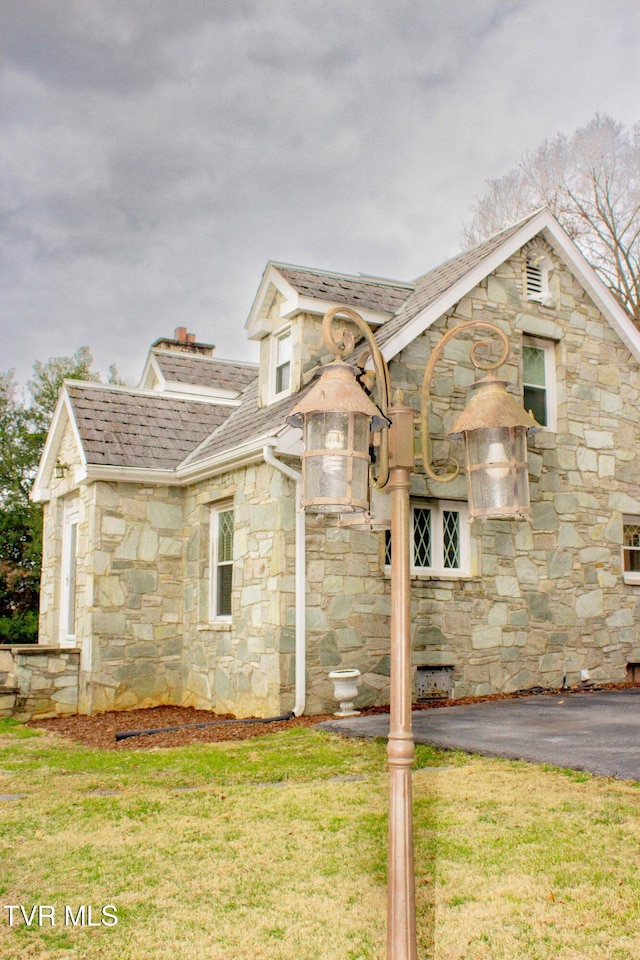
(337, 391)
(492, 408)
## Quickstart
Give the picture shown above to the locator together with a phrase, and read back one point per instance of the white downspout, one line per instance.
(300, 580)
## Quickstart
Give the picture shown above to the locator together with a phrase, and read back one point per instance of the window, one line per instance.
(537, 278)
(221, 562)
(69, 591)
(538, 378)
(441, 543)
(631, 549)
(282, 363)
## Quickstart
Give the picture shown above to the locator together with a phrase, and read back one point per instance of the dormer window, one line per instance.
(281, 368)
(537, 277)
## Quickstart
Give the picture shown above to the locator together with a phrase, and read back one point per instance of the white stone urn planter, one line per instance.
(345, 690)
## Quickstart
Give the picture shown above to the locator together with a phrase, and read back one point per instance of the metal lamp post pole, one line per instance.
(502, 416)
(401, 902)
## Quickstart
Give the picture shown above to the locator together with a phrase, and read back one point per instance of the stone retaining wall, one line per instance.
(38, 681)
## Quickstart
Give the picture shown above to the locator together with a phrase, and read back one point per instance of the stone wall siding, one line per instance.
(38, 682)
(137, 585)
(546, 598)
(243, 665)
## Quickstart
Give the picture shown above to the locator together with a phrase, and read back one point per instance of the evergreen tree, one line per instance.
(23, 432)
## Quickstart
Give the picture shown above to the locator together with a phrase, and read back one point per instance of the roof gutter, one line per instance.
(300, 580)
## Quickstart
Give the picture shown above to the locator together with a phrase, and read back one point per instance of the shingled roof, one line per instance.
(431, 285)
(249, 421)
(137, 428)
(370, 293)
(204, 371)
(131, 428)
(246, 422)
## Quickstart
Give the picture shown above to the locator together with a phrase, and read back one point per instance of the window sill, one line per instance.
(275, 397)
(633, 579)
(440, 575)
(216, 626)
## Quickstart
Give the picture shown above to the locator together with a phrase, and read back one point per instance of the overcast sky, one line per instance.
(156, 153)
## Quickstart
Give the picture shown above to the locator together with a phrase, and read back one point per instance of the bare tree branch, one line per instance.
(591, 183)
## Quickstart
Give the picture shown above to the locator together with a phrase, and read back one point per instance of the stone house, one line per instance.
(177, 568)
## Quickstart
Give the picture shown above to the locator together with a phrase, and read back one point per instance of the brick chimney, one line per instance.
(184, 342)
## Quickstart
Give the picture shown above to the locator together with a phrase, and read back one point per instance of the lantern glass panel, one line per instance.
(491, 495)
(360, 482)
(491, 447)
(327, 431)
(523, 488)
(361, 427)
(326, 478)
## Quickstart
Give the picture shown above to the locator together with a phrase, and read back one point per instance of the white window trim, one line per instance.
(214, 519)
(71, 518)
(549, 348)
(437, 571)
(629, 576)
(273, 361)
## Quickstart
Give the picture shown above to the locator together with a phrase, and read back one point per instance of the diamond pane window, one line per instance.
(421, 537)
(225, 536)
(451, 539)
(221, 580)
(631, 545)
(440, 540)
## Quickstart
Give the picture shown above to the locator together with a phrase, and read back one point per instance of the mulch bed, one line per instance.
(100, 729)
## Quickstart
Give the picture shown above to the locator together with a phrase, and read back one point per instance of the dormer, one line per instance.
(186, 368)
(287, 313)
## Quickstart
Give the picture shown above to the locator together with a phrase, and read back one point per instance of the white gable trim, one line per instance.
(544, 222)
(312, 305)
(259, 326)
(62, 417)
(152, 366)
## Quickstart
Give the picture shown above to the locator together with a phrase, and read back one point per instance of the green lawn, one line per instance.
(275, 848)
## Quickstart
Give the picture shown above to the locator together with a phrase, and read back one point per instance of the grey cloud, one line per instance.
(155, 154)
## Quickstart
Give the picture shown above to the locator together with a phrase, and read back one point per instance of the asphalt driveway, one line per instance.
(598, 732)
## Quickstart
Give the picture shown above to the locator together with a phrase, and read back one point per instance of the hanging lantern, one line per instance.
(495, 426)
(336, 417)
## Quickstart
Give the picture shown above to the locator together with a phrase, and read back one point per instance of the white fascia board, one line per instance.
(186, 391)
(242, 455)
(290, 442)
(62, 416)
(146, 475)
(374, 318)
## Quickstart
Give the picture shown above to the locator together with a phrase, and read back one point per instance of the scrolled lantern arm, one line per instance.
(342, 347)
(483, 364)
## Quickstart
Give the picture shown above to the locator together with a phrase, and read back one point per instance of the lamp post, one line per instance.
(339, 420)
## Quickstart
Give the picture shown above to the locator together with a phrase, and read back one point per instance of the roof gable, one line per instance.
(63, 421)
(287, 289)
(440, 289)
(195, 375)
